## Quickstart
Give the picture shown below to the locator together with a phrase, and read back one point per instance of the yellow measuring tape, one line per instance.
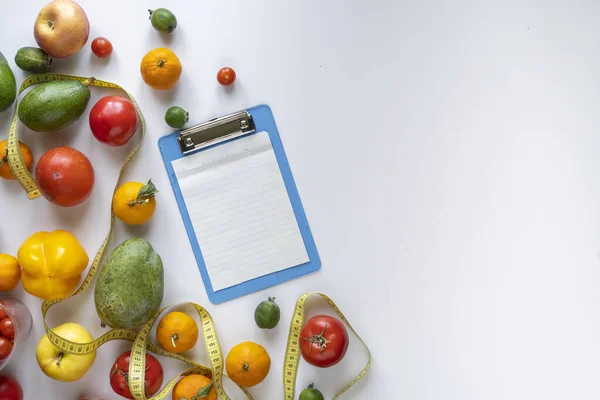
(141, 344)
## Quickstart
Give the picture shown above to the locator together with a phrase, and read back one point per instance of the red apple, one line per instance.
(61, 28)
(65, 176)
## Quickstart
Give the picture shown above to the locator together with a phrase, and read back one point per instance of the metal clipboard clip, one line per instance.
(216, 131)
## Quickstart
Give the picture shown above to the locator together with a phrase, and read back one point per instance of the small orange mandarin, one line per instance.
(191, 387)
(161, 68)
(177, 332)
(248, 364)
(134, 202)
(5, 171)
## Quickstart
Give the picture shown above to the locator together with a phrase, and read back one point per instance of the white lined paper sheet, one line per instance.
(240, 210)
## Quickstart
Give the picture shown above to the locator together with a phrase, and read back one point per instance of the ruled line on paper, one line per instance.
(240, 210)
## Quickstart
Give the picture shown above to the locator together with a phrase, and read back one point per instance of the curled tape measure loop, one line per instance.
(292, 353)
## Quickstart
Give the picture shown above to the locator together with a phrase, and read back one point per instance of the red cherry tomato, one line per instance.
(10, 389)
(3, 313)
(102, 47)
(5, 347)
(226, 76)
(65, 176)
(113, 120)
(324, 341)
(7, 329)
(119, 370)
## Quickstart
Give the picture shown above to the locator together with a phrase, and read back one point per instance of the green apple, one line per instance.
(60, 365)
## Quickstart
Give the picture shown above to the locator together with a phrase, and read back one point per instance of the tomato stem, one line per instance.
(150, 11)
(318, 340)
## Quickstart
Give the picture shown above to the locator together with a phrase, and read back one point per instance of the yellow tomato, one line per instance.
(10, 272)
(134, 202)
(177, 332)
(248, 364)
(52, 264)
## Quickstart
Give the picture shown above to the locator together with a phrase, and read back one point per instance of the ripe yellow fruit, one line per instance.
(10, 272)
(161, 68)
(134, 202)
(177, 332)
(248, 364)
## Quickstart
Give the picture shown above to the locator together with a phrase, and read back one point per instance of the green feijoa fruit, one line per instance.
(163, 20)
(176, 117)
(33, 59)
(310, 393)
(52, 106)
(8, 84)
(267, 314)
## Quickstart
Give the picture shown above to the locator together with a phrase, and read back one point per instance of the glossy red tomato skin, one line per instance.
(334, 332)
(7, 328)
(113, 120)
(102, 47)
(65, 176)
(226, 76)
(5, 347)
(10, 389)
(118, 380)
(3, 313)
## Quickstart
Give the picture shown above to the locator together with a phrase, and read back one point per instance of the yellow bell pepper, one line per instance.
(52, 264)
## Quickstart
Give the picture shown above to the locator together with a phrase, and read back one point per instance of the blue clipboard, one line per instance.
(171, 149)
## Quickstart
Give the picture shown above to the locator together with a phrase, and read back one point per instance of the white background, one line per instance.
(447, 157)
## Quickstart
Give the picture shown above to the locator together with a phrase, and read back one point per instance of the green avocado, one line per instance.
(8, 84)
(52, 106)
(130, 286)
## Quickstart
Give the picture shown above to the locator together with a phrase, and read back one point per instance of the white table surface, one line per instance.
(446, 154)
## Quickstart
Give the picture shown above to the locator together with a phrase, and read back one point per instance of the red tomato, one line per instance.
(118, 376)
(65, 176)
(7, 328)
(324, 341)
(3, 313)
(102, 47)
(5, 347)
(226, 76)
(113, 120)
(10, 389)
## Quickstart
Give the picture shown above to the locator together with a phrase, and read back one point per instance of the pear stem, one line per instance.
(60, 357)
